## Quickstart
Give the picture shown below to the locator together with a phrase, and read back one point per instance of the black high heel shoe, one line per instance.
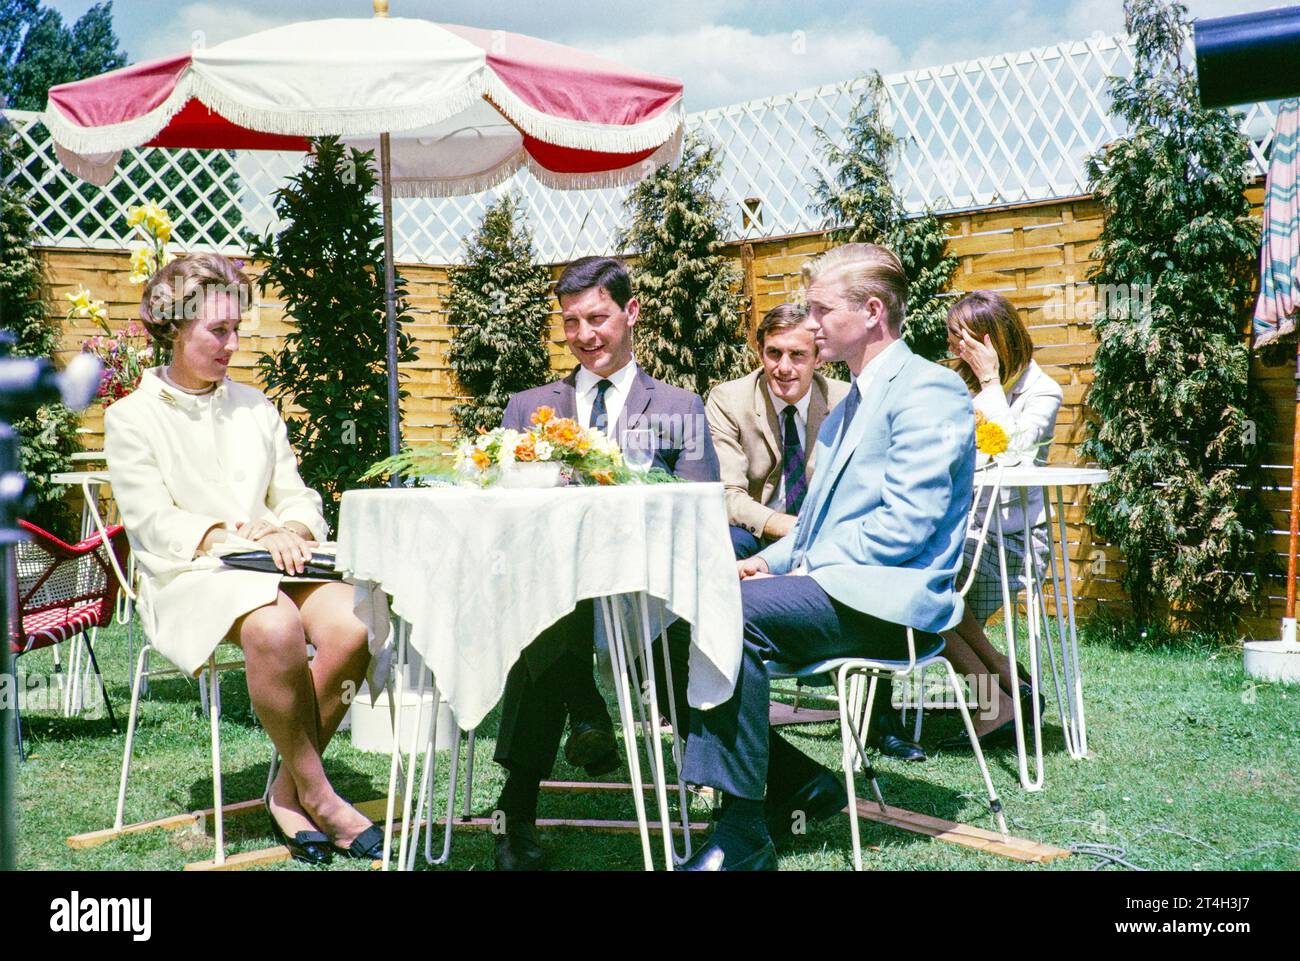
(366, 846)
(309, 847)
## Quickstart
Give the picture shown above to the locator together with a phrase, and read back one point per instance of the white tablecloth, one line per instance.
(479, 574)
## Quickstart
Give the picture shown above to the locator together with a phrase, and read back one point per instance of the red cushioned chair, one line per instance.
(64, 590)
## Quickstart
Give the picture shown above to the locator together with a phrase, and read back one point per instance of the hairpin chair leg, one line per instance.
(995, 805)
(130, 734)
(618, 657)
(683, 798)
(653, 742)
(850, 738)
(214, 717)
(103, 690)
(395, 688)
(18, 713)
(407, 795)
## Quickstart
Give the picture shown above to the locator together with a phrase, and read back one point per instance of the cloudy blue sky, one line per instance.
(724, 50)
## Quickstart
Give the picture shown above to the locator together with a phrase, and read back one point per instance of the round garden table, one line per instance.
(1066, 676)
(476, 575)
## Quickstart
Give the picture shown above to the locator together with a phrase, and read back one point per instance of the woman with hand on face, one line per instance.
(994, 355)
(197, 460)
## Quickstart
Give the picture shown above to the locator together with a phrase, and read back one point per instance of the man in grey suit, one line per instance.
(875, 549)
(554, 679)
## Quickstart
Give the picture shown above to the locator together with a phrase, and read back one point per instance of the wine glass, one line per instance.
(638, 448)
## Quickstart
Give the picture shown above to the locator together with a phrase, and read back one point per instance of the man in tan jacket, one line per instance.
(764, 426)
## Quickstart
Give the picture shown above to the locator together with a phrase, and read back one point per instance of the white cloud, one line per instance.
(203, 24)
(723, 64)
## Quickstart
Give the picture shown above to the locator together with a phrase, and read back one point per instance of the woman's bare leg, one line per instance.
(280, 688)
(336, 672)
(970, 651)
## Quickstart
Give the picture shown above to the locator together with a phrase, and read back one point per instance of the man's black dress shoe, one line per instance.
(712, 857)
(519, 850)
(366, 846)
(888, 735)
(309, 847)
(1000, 736)
(591, 746)
(589, 742)
(819, 798)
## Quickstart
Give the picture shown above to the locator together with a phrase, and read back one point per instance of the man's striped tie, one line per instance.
(792, 464)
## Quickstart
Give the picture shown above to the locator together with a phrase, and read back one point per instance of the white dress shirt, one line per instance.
(777, 501)
(615, 395)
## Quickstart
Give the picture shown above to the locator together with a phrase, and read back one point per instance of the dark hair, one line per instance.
(588, 272)
(783, 317)
(986, 312)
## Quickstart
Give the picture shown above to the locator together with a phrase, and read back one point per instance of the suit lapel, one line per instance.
(638, 402)
(765, 416)
(817, 411)
(565, 393)
(841, 448)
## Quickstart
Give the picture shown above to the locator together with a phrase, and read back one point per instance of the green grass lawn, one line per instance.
(1192, 768)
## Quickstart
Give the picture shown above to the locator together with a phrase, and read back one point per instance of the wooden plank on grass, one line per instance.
(95, 838)
(990, 842)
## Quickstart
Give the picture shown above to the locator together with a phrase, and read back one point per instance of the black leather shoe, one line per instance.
(998, 737)
(818, 799)
(366, 846)
(1027, 700)
(309, 847)
(590, 743)
(711, 857)
(888, 735)
(519, 850)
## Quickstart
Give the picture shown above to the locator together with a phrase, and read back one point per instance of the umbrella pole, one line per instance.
(1288, 622)
(390, 305)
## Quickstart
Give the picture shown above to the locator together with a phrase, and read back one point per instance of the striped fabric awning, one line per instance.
(1275, 310)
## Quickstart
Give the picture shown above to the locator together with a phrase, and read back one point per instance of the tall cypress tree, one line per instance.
(328, 263)
(691, 333)
(861, 205)
(499, 309)
(1181, 430)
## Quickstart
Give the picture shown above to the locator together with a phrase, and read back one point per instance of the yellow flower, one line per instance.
(80, 302)
(603, 477)
(991, 439)
(542, 415)
(99, 313)
(135, 216)
(481, 459)
(143, 265)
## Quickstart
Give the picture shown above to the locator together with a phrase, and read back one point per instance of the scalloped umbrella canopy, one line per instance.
(452, 109)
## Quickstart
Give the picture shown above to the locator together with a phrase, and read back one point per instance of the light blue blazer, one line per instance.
(882, 525)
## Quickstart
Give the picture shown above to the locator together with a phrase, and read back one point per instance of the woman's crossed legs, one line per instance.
(301, 704)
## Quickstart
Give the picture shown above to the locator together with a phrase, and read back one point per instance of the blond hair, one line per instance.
(985, 312)
(168, 302)
(864, 271)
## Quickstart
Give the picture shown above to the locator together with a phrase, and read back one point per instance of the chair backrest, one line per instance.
(995, 487)
(51, 577)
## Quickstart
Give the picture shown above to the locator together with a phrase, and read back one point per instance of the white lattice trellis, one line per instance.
(1013, 128)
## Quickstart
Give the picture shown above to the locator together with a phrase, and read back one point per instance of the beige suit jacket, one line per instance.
(747, 435)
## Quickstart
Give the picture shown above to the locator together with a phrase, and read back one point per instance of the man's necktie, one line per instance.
(851, 403)
(792, 463)
(599, 415)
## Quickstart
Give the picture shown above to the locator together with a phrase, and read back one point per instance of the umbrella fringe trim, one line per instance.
(582, 134)
(193, 85)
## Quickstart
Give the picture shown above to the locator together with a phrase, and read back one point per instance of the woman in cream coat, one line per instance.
(995, 358)
(197, 460)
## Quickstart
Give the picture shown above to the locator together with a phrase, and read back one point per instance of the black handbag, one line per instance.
(319, 568)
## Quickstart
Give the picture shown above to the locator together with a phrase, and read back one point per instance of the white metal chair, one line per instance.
(850, 674)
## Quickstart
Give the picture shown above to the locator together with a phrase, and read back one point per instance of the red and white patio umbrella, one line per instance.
(453, 110)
